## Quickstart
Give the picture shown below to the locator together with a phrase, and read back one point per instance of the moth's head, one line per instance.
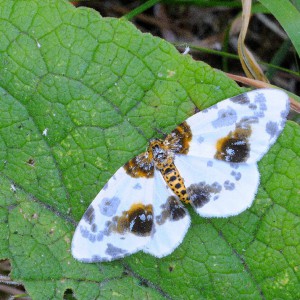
(160, 153)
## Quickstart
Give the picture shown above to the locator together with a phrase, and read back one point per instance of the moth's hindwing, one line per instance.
(171, 220)
(217, 188)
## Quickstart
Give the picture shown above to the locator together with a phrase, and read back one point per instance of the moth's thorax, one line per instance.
(160, 153)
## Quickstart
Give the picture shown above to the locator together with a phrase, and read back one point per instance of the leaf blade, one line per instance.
(97, 116)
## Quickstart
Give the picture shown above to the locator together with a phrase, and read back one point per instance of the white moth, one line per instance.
(209, 161)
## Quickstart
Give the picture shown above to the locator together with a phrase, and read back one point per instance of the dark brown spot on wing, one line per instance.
(137, 220)
(235, 147)
(172, 210)
(140, 166)
(201, 193)
(176, 210)
(179, 139)
(199, 196)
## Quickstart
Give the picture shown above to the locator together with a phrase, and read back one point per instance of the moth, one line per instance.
(209, 162)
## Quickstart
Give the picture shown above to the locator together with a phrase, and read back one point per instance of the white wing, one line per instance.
(130, 214)
(243, 127)
(217, 188)
(171, 220)
(105, 231)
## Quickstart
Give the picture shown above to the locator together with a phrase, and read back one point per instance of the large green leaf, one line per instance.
(288, 16)
(80, 95)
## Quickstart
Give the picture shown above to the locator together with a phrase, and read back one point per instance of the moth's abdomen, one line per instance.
(175, 182)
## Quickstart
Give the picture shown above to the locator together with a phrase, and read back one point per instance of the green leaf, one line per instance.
(288, 16)
(80, 95)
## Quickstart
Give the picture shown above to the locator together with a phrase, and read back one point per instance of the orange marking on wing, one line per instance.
(179, 139)
(140, 166)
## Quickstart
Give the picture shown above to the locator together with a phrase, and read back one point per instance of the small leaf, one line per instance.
(80, 95)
